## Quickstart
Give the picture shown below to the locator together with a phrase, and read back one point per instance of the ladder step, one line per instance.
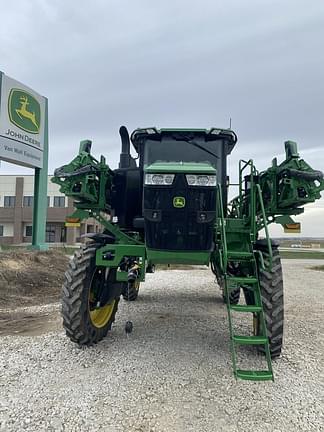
(237, 225)
(242, 280)
(250, 340)
(254, 375)
(246, 308)
(240, 255)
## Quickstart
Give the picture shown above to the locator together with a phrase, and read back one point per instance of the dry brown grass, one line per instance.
(30, 277)
(320, 268)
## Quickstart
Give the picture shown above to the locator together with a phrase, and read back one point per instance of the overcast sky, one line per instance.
(173, 64)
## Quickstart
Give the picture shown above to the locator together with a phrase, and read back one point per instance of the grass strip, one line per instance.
(301, 255)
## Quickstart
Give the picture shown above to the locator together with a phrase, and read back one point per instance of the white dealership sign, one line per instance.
(22, 123)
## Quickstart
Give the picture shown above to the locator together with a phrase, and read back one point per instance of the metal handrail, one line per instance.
(223, 231)
(255, 193)
(265, 226)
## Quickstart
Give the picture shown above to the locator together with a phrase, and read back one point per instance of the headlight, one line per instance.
(159, 179)
(201, 180)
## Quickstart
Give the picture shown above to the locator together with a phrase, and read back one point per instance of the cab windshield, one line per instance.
(172, 150)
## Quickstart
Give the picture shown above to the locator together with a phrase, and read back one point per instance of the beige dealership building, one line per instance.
(16, 208)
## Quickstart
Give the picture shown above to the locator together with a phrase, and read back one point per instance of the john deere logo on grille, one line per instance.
(24, 111)
(179, 202)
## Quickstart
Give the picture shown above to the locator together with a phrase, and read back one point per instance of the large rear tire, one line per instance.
(271, 286)
(85, 320)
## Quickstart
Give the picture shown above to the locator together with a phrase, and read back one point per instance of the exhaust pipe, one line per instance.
(125, 157)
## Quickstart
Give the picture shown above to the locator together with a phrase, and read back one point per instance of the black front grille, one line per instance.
(187, 228)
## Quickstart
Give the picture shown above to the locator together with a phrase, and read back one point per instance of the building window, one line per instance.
(29, 231)
(1, 230)
(63, 234)
(48, 201)
(9, 201)
(50, 233)
(59, 201)
(28, 201)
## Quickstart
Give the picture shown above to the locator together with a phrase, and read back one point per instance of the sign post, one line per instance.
(24, 141)
(40, 194)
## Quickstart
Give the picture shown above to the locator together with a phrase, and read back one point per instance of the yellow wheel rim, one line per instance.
(100, 317)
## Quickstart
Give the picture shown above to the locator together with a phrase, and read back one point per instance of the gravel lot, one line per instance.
(173, 373)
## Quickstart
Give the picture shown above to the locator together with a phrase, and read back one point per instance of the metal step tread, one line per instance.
(260, 375)
(246, 308)
(237, 225)
(250, 340)
(242, 280)
(240, 255)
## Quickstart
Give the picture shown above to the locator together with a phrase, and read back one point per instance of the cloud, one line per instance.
(311, 223)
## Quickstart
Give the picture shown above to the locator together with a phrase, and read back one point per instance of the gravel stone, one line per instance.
(174, 372)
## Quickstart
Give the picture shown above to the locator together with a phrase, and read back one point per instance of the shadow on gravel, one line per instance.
(189, 298)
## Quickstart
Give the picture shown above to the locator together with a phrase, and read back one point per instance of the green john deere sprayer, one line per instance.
(169, 205)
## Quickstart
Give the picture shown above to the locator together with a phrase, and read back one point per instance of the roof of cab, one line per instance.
(141, 134)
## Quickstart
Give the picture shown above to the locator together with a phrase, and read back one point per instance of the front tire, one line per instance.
(234, 294)
(85, 320)
(131, 290)
(271, 286)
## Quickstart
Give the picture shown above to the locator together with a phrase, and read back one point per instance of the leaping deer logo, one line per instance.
(179, 202)
(23, 112)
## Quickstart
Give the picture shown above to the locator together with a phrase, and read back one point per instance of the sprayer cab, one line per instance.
(167, 160)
